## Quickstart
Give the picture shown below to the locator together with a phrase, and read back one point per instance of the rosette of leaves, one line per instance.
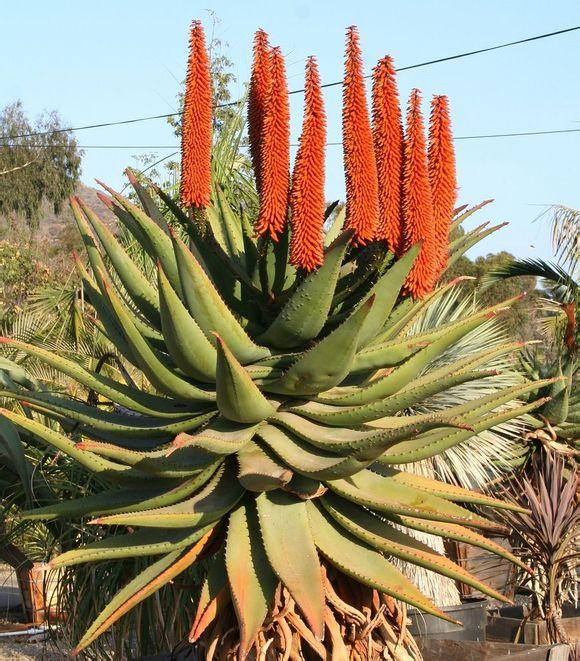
(269, 440)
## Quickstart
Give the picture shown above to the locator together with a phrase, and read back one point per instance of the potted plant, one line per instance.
(546, 537)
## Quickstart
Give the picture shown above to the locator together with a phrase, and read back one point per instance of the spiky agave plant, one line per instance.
(270, 441)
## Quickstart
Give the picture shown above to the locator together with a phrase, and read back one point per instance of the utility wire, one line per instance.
(328, 144)
(298, 91)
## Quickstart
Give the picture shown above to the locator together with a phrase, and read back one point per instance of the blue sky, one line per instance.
(105, 61)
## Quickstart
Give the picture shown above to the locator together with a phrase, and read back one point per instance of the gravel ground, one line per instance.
(11, 649)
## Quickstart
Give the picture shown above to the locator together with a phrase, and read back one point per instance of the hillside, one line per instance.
(53, 226)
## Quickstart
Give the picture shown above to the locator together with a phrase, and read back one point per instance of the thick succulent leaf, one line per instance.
(136, 284)
(337, 226)
(64, 444)
(459, 248)
(117, 392)
(463, 213)
(305, 487)
(366, 444)
(385, 292)
(106, 284)
(395, 351)
(291, 553)
(116, 501)
(182, 462)
(93, 253)
(252, 581)
(443, 489)
(405, 313)
(157, 242)
(187, 344)
(215, 596)
(382, 536)
(209, 310)
(163, 378)
(328, 362)
(388, 495)
(403, 375)
(306, 311)
(259, 470)
(141, 587)
(226, 228)
(117, 423)
(105, 321)
(307, 459)
(374, 412)
(457, 533)
(147, 202)
(435, 442)
(220, 438)
(12, 455)
(238, 397)
(358, 560)
(217, 498)
(386, 354)
(138, 544)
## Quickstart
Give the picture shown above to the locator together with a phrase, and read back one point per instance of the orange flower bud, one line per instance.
(307, 195)
(275, 154)
(196, 124)
(362, 197)
(257, 95)
(388, 138)
(417, 203)
(442, 176)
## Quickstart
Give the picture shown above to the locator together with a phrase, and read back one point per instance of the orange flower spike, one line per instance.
(196, 124)
(417, 203)
(442, 175)
(362, 197)
(307, 195)
(275, 154)
(257, 95)
(388, 138)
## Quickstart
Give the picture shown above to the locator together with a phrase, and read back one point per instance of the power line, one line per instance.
(481, 136)
(298, 91)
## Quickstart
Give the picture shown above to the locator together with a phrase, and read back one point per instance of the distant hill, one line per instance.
(52, 226)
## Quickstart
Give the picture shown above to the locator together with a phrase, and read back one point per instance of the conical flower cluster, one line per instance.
(362, 197)
(398, 191)
(388, 138)
(197, 124)
(417, 203)
(442, 175)
(257, 95)
(307, 196)
(275, 153)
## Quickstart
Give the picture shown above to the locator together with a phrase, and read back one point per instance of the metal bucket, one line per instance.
(472, 614)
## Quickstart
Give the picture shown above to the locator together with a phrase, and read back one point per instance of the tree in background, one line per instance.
(35, 167)
(521, 322)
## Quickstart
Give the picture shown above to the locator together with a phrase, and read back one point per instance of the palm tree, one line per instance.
(558, 419)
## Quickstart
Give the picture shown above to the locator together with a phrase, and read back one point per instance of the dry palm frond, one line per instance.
(565, 226)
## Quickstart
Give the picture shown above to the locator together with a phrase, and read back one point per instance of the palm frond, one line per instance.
(564, 286)
(565, 227)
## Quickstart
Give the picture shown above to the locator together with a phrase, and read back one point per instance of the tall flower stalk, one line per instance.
(417, 203)
(442, 176)
(260, 81)
(197, 124)
(362, 196)
(275, 153)
(307, 196)
(389, 148)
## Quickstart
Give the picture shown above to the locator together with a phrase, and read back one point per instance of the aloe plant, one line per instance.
(268, 432)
